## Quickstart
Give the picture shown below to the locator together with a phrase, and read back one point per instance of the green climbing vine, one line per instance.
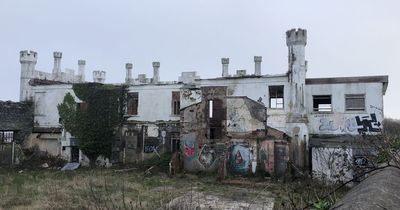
(94, 121)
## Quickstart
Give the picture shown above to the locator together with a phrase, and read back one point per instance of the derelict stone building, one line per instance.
(240, 121)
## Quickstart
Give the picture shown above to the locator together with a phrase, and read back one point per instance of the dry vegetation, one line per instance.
(108, 189)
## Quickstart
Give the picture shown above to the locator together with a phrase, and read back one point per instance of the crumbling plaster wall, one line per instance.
(244, 115)
(257, 89)
(46, 142)
(340, 121)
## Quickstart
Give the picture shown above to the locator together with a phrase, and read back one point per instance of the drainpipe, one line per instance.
(143, 132)
(13, 153)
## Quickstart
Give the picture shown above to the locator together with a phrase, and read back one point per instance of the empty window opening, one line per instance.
(212, 133)
(133, 102)
(322, 103)
(276, 97)
(355, 102)
(210, 108)
(176, 103)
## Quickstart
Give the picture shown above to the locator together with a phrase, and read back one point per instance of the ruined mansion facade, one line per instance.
(239, 122)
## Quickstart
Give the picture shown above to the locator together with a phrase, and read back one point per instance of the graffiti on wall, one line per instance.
(368, 123)
(188, 148)
(327, 124)
(207, 156)
(240, 160)
(150, 148)
(337, 122)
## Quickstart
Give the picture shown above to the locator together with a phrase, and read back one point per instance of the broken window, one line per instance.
(133, 102)
(322, 103)
(6, 136)
(355, 102)
(276, 97)
(176, 102)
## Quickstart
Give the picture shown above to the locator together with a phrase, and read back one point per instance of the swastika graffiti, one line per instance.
(368, 123)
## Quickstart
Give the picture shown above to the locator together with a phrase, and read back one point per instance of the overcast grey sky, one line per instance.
(345, 38)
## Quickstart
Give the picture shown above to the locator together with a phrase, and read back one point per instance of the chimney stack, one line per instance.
(225, 63)
(128, 78)
(81, 70)
(57, 64)
(99, 76)
(257, 65)
(156, 72)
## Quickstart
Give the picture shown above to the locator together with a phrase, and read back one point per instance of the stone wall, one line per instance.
(17, 117)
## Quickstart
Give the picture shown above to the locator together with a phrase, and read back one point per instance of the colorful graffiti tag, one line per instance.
(188, 149)
(240, 159)
(207, 156)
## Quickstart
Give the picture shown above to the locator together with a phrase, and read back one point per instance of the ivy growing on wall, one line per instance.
(96, 119)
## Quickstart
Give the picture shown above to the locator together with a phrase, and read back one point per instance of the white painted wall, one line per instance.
(47, 97)
(340, 121)
(155, 102)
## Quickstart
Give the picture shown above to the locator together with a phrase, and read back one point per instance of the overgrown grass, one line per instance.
(111, 189)
(98, 189)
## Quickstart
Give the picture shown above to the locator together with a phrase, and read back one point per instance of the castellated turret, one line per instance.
(296, 41)
(296, 37)
(28, 60)
(99, 76)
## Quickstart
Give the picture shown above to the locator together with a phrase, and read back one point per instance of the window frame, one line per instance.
(7, 139)
(129, 110)
(175, 103)
(270, 97)
(354, 96)
(322, 110)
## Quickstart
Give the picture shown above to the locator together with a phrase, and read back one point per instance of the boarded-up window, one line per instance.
(322, 103)
(276, 97)
(176, 102)
(133, 102)
(355, 102)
